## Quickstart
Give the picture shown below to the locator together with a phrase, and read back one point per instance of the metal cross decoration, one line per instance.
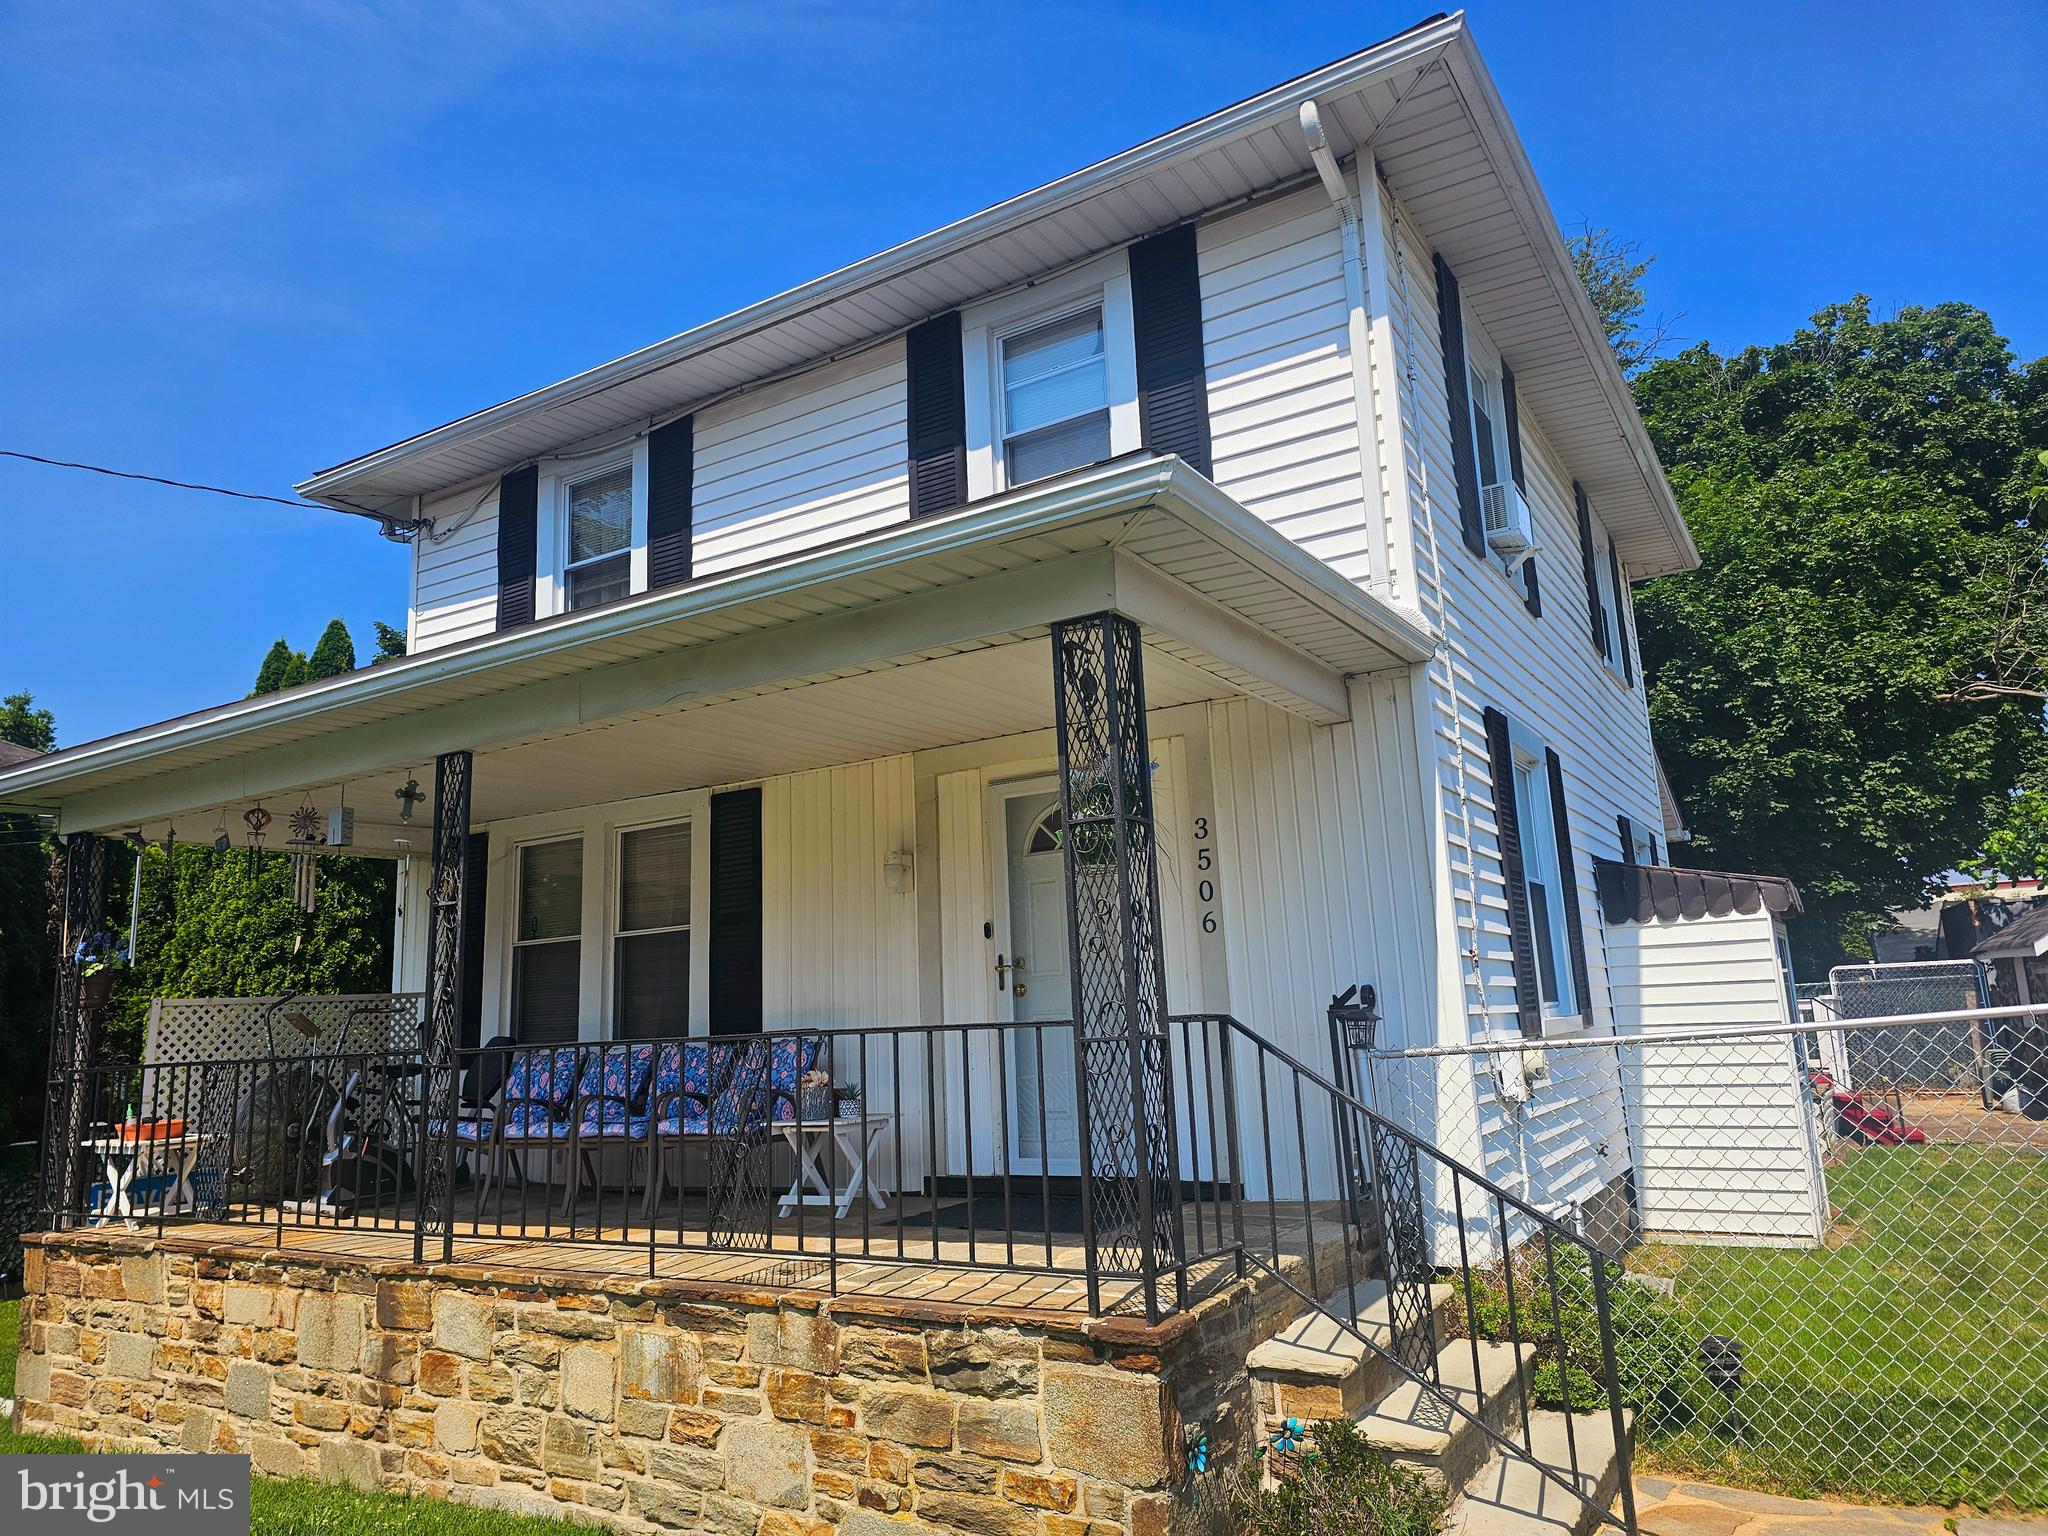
(409, 794)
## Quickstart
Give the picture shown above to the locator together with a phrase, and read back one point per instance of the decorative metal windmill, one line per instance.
(306, 836)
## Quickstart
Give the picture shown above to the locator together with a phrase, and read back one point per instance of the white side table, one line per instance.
(125, 1161)
(854, 1137)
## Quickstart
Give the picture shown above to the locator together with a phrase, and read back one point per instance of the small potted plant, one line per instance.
(849, 1098)
(814, 1095)
(99, 956)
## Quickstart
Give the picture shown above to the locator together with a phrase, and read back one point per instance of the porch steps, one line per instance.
(1316, 1369)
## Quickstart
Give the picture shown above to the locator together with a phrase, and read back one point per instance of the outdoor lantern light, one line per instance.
(898, 873)
(1721, 1363)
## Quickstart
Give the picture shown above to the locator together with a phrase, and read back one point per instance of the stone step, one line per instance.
(1414, 1424)
(1509, 1497)
(1315, 1368)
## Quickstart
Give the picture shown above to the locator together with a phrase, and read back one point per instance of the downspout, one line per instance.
(1381, 582)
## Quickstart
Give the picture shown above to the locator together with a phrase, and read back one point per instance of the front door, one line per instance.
(1043, 1128)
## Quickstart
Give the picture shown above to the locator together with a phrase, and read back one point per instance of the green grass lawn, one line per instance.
(1907, 1362)
(10, 1343)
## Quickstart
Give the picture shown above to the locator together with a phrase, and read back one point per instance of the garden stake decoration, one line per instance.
(1287, 1438)
(1198, 1451)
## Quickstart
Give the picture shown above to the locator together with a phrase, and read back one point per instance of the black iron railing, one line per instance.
(967, 1148)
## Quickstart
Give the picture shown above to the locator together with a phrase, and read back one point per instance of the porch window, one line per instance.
(547, 950)
(1055, 392)
(599, 568)
(652, 946)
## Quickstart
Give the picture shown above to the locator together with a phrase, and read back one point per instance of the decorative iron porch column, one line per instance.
(74, 1031)
(1130, 1186)
(453, 772)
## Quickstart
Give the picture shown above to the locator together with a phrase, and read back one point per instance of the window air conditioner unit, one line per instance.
(1509, 532)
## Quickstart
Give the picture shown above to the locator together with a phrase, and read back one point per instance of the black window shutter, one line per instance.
(1568, 881)
(671, 471)
(476, 870)
(518, 543)
(734, 952)
(1458, 390)
(1654, 858)
(1532, 591)
(1628, 668)
(937, 406)
(1627, 830)
(1507, 817)
(1586, 557)
(1166, 323)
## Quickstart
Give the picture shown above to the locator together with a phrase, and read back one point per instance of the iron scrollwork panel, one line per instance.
(73, 1028)
(1114, 932)
(454, 773)
(1404, 1244)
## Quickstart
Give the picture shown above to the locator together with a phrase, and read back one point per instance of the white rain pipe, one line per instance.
(1359, 324)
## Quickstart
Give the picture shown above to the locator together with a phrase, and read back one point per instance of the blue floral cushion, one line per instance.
(532, 1122)
(542, 1076)
(791, 1057)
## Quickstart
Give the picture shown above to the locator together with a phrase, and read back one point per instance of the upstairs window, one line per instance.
(599, 564)
(1487, 439)
(1055, 396)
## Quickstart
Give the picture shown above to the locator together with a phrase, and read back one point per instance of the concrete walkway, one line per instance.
(1699, 1509)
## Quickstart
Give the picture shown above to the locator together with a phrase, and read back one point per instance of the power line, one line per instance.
(182, 485)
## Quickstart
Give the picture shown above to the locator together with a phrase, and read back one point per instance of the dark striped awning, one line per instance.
(1639, 893)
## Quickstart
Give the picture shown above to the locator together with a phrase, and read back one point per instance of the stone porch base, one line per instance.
(649, 1404)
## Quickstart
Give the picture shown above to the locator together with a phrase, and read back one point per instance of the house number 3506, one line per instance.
(1205, 872)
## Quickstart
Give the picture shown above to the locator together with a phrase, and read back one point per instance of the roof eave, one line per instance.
(1282, 101)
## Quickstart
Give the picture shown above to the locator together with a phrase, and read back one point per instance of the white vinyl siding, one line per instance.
(1693, 1177)
(455, 570)
(1547, 677)
(1283, 418)
(816, 458)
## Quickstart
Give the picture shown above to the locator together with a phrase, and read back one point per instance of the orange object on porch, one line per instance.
(153, 1130)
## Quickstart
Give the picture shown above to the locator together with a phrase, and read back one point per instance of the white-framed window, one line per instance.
(1052, 378)
(1054, 397)
(593, 533)
(547, 942)
(597, 523)
(1608, 613)
(651, 933)
(1489, 430)
(1542, 879)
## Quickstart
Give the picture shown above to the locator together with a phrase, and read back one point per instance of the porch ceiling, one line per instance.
(929, 634)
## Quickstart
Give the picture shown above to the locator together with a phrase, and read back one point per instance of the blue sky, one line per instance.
(244, 241)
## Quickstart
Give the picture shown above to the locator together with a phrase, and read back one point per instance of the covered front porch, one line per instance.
(740, 925)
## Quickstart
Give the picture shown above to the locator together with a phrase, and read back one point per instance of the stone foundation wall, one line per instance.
(651, 1404)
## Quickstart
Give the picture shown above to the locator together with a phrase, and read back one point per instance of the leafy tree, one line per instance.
(225, 924)
(1858, 494)
(282, 667)
(334, 654)
(390, 643)
(25, 725)
(1612, 270)
(27, 934)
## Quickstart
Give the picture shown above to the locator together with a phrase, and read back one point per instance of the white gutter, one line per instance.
(1123, 485)
(1359, 325)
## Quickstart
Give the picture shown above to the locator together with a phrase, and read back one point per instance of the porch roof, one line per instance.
(1228, 605)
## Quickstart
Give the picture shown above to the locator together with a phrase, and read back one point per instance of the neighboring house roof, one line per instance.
(1421, 102)
(2025, 936)
(1641, 893)
(11, 754)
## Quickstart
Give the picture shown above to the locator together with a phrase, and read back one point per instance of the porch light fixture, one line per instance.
(899, 873)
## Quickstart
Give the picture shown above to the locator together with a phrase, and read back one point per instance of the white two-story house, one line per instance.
(746, 639)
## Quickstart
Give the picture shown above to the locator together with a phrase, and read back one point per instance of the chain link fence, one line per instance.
(1844, 1226)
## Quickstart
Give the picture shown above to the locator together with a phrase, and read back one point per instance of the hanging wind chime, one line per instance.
(305, 824)
(256, 819)
(171, 874)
